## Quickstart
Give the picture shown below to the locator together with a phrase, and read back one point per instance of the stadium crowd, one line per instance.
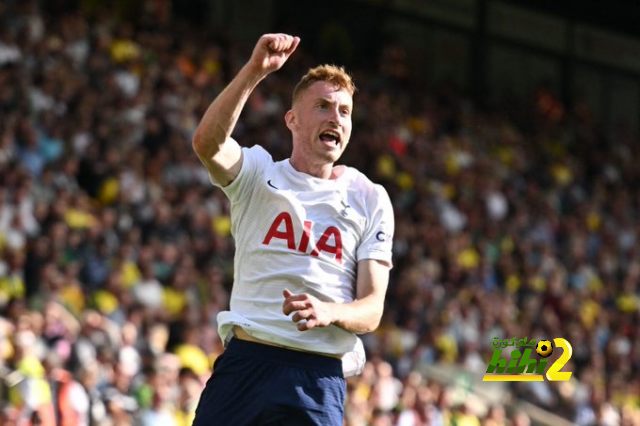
(515, 217)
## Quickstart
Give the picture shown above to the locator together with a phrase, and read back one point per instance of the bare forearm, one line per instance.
(360, 316)
(212, 142)
(219, 120)
(363, 315)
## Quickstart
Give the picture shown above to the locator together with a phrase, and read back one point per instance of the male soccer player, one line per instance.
(313, 253)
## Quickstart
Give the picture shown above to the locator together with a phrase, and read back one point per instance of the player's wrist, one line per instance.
(334, 313)
(252, 74)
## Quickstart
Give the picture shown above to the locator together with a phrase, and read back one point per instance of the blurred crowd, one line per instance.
(514, 218)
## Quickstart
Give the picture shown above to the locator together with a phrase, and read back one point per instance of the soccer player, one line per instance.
(313, 253)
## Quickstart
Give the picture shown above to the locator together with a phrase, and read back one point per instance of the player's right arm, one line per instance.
(212, 141)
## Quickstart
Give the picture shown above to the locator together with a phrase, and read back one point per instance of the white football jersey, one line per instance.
(305, 234)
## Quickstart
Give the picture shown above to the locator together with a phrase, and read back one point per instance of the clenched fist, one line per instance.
(272, 51)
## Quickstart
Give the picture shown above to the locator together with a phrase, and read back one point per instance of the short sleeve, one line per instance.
(377, 242)
(254, 162)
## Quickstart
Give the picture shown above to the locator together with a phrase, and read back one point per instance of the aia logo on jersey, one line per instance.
(282, 229)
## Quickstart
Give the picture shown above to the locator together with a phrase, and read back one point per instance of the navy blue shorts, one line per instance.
(255, 384)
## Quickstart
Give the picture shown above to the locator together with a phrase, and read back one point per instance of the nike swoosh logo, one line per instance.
(270, 184)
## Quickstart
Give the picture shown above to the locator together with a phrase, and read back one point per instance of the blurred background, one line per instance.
(506, 133)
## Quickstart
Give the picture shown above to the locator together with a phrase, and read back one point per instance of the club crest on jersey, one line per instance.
(330, 241)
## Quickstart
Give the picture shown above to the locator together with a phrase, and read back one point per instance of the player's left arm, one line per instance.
(360, 316)
(363, 315)
(374, 253)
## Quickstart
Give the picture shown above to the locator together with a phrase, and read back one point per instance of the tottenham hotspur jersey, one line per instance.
(296, 231)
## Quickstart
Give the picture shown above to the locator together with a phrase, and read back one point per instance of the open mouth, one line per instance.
(330, 137)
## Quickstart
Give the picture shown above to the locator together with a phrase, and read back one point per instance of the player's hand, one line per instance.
(272, 51)
(309, 311)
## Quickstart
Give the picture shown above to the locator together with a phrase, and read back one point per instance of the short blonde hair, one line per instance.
(330, 73)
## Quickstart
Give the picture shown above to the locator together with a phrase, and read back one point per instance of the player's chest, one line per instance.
(311, 222)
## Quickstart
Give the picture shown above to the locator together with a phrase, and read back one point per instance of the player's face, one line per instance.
(320, 122)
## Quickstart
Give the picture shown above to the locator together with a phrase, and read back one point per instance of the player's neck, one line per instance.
(320, 171)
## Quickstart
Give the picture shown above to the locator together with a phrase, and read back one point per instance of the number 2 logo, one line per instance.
(554, 374)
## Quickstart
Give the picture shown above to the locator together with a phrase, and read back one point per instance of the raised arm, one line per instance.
(212, 141)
